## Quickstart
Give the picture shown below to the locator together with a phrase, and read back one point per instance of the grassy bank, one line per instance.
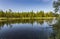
(4, 18)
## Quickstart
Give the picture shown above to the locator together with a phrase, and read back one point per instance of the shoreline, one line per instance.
(4, 18)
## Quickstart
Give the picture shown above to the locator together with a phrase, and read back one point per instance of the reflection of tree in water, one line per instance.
(23, 21)
(40, 21)
(56, 28)
(9, 25)
(49, 21)
(1, 24)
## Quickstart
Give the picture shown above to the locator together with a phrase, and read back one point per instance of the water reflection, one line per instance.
(26, 29)
(56, 28)
(26, 21)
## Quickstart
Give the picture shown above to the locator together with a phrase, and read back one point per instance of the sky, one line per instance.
(26, 5)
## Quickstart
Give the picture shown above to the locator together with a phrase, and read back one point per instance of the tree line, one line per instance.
(12, 14)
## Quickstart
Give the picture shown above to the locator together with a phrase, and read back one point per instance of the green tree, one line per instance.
(56, 5)
(2, 14)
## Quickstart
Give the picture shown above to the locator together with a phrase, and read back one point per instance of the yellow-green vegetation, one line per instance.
(26, 15)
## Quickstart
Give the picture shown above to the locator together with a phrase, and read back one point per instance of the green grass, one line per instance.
(4, 18)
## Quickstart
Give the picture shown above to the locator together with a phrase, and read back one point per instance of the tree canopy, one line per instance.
(31, 14)
(56, 5)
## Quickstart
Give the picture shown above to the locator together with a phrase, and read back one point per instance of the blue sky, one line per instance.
(26, 5)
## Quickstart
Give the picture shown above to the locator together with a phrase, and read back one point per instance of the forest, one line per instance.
(32, 14)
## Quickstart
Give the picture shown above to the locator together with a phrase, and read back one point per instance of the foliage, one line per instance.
(56, 5)
(10, 14)
(57, 29)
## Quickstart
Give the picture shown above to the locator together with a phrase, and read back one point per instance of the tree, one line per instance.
(10, 10)
(2, 13)
(56, 5)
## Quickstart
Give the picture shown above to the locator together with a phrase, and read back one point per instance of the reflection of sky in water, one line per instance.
(28, 31)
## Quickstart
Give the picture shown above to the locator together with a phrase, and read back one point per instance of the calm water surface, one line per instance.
(26, 29)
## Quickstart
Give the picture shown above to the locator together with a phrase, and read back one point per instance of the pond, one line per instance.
(27, 29)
